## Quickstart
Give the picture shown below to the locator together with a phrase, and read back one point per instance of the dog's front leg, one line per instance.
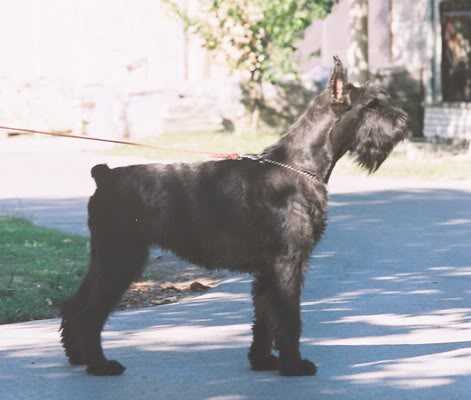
(260, 354)
(285, 305)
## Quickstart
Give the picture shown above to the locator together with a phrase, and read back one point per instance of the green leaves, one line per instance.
(256, 37)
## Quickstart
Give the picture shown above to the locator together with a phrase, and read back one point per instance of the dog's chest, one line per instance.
(305, 214)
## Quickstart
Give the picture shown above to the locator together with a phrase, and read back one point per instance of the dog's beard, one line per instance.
(376, 137)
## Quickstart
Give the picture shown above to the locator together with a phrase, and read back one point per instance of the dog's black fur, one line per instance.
(237, 214)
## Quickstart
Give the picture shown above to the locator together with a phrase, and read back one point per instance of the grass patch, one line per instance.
(38, 268)
(428, 166)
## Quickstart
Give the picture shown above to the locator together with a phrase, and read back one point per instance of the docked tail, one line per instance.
(101, 174)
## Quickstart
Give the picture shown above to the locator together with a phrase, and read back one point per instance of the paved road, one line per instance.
(386, 309)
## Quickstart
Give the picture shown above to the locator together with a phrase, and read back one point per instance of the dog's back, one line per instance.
(224, 214)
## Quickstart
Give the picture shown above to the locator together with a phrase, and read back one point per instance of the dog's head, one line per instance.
(369, 123)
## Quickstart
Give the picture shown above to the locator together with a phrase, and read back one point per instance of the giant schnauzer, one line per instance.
(261, 214)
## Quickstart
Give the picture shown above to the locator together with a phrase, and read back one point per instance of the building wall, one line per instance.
(335, 34)
(404, 41)
(380, 42)
(309, 48)
(410, 27)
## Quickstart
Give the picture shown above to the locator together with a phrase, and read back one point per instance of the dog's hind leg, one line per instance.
(285, 296)
(116, 260)
(70, 310)
(119, 261)
(260, 354)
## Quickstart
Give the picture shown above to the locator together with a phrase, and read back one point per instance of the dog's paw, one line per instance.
(106, 368)
(270, 363)
(298, 368)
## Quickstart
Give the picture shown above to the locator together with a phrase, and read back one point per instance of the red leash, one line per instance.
(223, 156)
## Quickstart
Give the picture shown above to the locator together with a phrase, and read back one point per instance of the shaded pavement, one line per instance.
(386, 310)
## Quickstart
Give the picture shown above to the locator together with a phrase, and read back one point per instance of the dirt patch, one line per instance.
(168, 279)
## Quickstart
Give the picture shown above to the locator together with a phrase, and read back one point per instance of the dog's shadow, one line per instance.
(386, 311)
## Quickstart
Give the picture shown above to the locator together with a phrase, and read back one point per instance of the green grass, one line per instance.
(38, 269)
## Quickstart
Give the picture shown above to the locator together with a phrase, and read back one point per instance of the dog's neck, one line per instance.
(310, 144)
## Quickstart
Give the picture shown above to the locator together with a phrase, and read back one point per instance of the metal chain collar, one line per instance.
(308, 174)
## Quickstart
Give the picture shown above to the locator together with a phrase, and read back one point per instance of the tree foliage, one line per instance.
(255, 37)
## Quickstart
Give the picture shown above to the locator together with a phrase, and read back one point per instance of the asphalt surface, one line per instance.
(386, 310)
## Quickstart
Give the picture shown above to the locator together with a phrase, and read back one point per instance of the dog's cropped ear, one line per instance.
(338, 83)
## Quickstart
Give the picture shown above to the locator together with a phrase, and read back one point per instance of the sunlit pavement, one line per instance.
(386, 310)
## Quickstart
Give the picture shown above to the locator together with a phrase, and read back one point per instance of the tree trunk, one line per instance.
(358, 50)
(256, 94)
(255, 120)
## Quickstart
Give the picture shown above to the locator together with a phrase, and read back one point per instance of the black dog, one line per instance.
(261, 215)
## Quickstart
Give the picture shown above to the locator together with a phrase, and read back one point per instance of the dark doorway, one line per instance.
(455, 17)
